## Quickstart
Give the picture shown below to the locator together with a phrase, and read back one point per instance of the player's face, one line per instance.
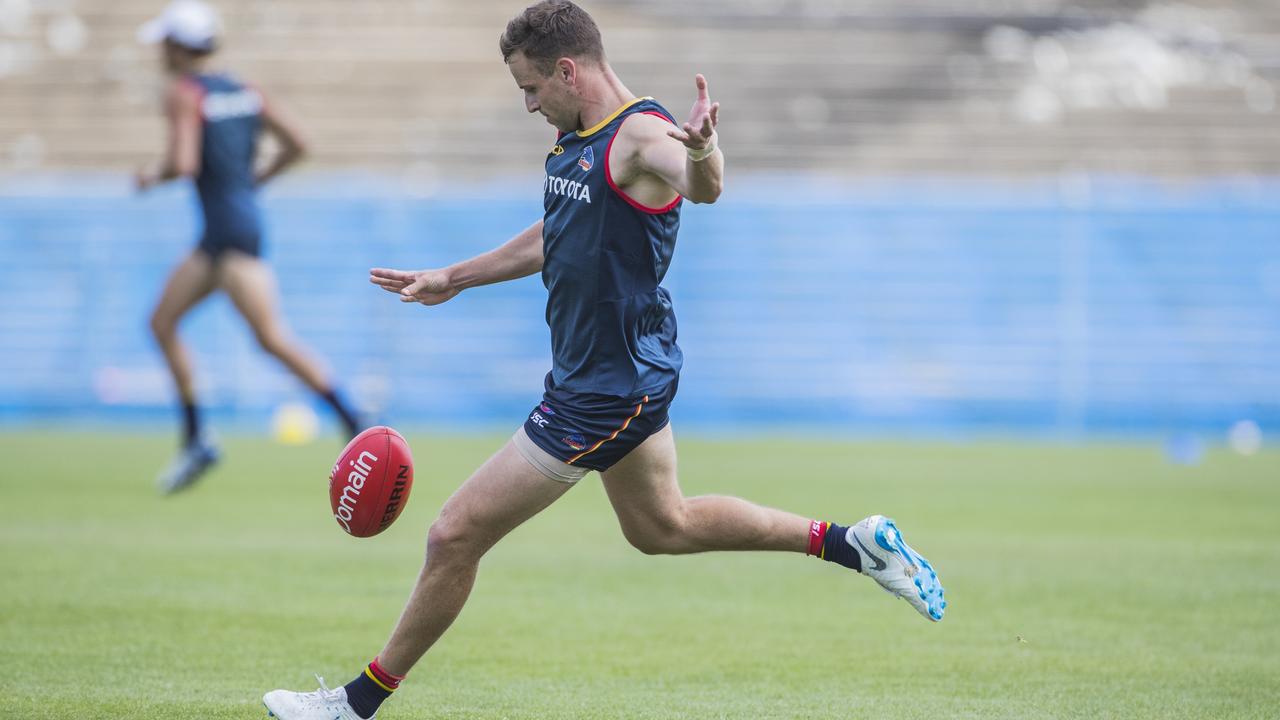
(175, 58)
(170, 56)
(549, 95)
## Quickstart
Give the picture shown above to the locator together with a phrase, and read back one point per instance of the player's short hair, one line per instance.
(550, 30)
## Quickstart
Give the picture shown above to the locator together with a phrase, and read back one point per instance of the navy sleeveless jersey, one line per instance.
(231, 116)
(613, 331)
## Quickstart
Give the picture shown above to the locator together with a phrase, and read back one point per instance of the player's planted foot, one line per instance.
(192, 462)
(323, 704)
(901, 571)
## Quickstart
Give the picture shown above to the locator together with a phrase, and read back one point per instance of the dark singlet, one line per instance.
(613, 331)
(231, 118)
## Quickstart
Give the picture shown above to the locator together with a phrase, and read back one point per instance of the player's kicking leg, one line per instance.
(656, 518)
(189, 283)
(502, 494)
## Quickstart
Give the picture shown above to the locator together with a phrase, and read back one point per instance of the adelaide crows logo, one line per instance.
(587, 159)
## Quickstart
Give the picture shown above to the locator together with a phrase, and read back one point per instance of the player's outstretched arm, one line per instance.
(518, 257)
(182, 153)
(692, 165)
(287, 132)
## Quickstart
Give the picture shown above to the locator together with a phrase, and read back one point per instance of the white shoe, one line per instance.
(192, 462)
(323, 704)
(901, 571)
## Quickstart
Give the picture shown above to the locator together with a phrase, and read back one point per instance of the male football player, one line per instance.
(214, 121)
(615, 180)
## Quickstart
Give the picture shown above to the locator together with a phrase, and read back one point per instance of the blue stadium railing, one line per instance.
(924, 305)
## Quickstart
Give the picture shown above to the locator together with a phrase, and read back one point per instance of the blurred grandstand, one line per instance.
(845, 86)
(1046, 214)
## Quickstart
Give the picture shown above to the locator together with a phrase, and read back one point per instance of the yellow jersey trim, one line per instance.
(612, 116)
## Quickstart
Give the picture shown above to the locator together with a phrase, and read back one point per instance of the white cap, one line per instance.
(189, 23)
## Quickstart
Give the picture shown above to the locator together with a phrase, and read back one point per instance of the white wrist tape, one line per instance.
(704, 153)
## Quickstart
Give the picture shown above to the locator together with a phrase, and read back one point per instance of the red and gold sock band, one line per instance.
(817, 533)
(384, 679)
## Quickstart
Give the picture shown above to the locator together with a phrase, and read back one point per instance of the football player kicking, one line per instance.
(615, 180)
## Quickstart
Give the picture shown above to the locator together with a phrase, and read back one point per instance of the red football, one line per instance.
(369, 485)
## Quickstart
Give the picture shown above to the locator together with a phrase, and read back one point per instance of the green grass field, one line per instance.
(1083, 582)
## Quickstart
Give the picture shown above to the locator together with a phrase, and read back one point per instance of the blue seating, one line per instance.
(911, 306)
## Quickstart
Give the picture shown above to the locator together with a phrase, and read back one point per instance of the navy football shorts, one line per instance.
(215, 246)
(592, 431)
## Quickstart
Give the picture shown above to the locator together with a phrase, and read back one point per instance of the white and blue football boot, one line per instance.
(901, 571)
(323, 704)
(192, 462)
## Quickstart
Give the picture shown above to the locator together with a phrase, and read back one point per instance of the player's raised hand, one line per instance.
(699, 130)
(429, 287)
